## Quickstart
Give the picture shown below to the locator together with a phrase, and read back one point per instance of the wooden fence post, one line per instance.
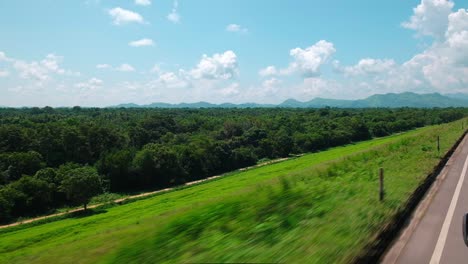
(438, 145)
(381, 177)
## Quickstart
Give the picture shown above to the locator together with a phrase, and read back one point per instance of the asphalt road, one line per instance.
(434, 233)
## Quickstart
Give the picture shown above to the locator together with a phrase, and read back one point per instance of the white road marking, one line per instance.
(448, 218)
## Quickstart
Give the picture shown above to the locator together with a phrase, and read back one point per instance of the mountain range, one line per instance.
(390, 100)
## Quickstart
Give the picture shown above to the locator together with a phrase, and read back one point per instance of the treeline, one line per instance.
(55, 157)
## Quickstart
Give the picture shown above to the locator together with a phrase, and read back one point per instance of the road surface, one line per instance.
(434, 233)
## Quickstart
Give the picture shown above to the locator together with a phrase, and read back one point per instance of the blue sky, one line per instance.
(102, 52)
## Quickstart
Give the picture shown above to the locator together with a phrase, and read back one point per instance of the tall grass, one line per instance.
(321, 214)
(319, 208)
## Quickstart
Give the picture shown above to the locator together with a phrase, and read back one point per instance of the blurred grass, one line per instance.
(319, 208)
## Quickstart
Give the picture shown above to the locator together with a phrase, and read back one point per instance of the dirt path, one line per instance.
(132, 197)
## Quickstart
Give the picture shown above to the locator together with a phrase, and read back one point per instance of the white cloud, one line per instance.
(91, 84)
(230, 90)
(308, 61)
(125, 68)
(444, 65)
(271, 84)
(174, 16)
(370, 66)
(430, 18)
(4, 73)
(51, 63)
(220, 66)
(236, 28)
(143, 2)
(40, 71)
(457, 37)
(320, 87)
(268, 71)
(141, 43)
(441, 67)
(103, 66)
(171, 80)
(458, 22)
(32, 70)
(156, 69)
(122, 16)
(3, 57)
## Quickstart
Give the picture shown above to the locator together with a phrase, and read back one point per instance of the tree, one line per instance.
(54, 179)
(81, 184)
(19, 163)
(37, 194)
(158, 165)
(5, 208)
(117, 168)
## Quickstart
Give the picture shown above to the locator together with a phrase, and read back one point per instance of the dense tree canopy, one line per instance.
(81, 184)
(60, 153)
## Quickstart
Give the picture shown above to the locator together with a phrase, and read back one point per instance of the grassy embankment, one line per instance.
(321, 207)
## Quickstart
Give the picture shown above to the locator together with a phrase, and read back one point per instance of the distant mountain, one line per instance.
(318, 103)
(128, 105)
(462, 96)
(194, 105)
(413, 100)
(390, 100)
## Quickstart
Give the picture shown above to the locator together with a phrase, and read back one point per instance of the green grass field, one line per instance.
(319, 208)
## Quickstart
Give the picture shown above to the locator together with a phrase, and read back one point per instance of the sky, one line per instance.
(102, 52)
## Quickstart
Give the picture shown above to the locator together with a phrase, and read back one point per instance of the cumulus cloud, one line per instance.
(143, 2)
(3, 57)
(236, 28)
(142, 43)
(51, 63)
(31, 70)
(441, 67)
(171, 80)
(122, 16)
(271, 84)
(268, 71)
(174, 16)
(457, 37)
(370, 66)
(458, 22)
(430, 18)
(308, 61)
(91, 84)
(4, 73)
(40, 71)
(125, 68)
(103, 66)
(155, 69)
(230, 90)
(220, 66)
(213, 76)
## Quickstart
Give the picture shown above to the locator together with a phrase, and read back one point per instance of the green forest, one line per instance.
(51, 158)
